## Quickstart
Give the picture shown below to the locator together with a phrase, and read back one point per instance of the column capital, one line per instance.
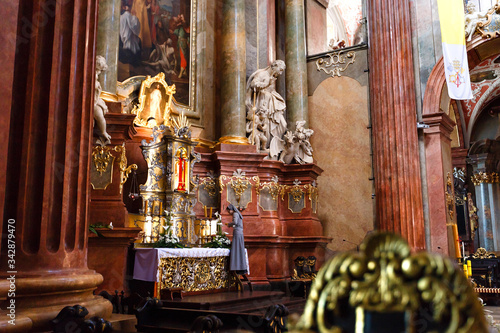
(439, 122)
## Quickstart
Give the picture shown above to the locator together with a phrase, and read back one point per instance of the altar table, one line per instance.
(192, 269)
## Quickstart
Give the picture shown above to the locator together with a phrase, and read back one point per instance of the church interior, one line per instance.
(249, 165)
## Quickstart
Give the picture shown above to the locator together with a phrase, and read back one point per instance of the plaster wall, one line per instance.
(339, 116)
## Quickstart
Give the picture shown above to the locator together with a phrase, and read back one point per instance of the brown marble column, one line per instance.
(47, 189)
(392, 98)
(296, 63)
(438, 150)
(233, 74)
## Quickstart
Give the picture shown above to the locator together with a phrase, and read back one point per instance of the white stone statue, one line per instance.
(100, 107)
(298, 146)
(262, 99)
(259, 131)
(336, 44)
(472, 19)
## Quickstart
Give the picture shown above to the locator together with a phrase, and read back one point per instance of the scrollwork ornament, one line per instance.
(338, 61)
(101, 156)
(384, 277)
(296, 191)
(485, 177)
(481, 253)
(450, 197)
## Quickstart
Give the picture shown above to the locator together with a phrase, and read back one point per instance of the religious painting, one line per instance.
(155, 37)
(155, 102)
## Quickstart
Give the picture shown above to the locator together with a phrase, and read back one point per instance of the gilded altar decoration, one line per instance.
(155, 102)
(485, 178)
(239, 187)
(386, 279)
(313, 195)
(337, 63)
(304, 268)
(170, 186)
(102, 157)
(194, 273)
(268, 194)
(481, 253)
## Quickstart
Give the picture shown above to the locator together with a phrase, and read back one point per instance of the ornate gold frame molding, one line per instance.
(485, 177)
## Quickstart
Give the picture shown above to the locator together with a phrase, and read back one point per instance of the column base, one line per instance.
(234, 140)
(39, 298)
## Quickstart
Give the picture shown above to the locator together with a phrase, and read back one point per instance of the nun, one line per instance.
(238, 262)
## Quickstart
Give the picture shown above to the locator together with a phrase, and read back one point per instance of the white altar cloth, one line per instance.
(147, 260)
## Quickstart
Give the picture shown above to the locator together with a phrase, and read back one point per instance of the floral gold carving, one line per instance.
(481, 253)
(125, 169)
(338, 61)
(273, 187)
(239, 182)
(101, 156)
(296, 190)
(450, 197)
(473, 218)
(385, 277)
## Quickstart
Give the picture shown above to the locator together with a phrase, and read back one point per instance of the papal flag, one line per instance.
(451, 17)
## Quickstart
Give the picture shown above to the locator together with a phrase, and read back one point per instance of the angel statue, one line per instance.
(266, 109)
(298, 146)
(100, 107)
(472, 19)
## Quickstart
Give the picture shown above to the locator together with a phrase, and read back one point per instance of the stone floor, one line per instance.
(494, 312)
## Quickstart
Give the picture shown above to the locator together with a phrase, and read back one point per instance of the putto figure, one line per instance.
(472, 19)
(100, 107)
(264, 105)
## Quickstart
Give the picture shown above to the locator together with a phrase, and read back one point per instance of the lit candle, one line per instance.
(147, 228)
(469, 268)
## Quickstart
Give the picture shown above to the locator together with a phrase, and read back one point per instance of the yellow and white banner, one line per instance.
(456, 67)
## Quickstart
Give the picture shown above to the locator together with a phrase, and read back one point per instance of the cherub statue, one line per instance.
(261, 97)
(336, 44)
(472, 18)
(259, 131)
(100, 107)
(298, 146)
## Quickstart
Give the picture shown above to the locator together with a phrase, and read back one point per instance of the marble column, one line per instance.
(398, 186)
(233, 73)
(45, 207)
(108, 28)
(438, 150)
(296, 63)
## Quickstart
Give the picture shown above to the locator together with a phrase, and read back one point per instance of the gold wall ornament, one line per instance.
(338, 61)
(155, 102)
(240, 185)
(296, 197)
(481, 253)
(450, 197)
(101, 156)
(125, 169)
(182, 126)
(271, 186)
(386, 278)
(485, 178)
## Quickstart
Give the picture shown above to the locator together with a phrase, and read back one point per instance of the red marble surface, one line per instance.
(438, 150)
(398, 190)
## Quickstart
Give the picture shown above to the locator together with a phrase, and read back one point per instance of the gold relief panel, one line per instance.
(101, 173)
(239, 187)
(194, 274)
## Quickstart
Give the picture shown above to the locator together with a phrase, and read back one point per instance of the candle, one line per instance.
(147, 228)
(211, 212)
(456, 241)
(465, 270)
(463, 249)
(205, 208)
(469, 268)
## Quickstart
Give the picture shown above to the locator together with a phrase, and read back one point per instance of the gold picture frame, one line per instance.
(155, 102)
